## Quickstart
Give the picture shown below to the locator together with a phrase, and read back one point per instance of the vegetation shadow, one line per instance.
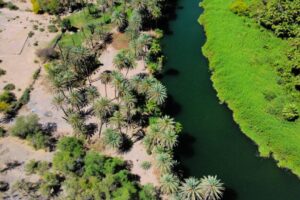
(171, 107)
(229, 194)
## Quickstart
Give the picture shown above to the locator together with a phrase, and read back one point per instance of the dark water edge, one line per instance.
(212, 142)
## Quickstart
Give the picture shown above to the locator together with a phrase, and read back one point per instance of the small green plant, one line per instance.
(36, 74)
(11, 6)
(41, 29)
(9, 86)
(290, 112)
(31, 34)
(52, 29)
(2, 72)
(146, 165)
(31, 167)
(35, 27)
(239, 7)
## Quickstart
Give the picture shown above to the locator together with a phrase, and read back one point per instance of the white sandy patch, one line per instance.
(14, 149)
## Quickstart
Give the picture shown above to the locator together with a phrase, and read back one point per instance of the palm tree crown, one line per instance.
(212, 188)
(169, 183)
(191, 189)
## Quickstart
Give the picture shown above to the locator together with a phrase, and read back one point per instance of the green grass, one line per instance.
(243, 59)
(80, 20)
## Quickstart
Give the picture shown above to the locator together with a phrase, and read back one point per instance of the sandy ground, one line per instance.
(17, 50)
(13, 149)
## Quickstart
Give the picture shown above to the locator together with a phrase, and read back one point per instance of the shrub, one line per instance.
(41, 29)
(2, 3)
(239, 7)
(31, 167)
(26, 125)
(11, 6)
(4, 107)
(31, 34)
(24, 99)
(36, 6)
(35, 27)
(50, 184)
(39, 140)
(47, 54)
(146, 165)
(9, 86)
(52, 29)
(7, 97)
(290, 112)
(2, 72)
(148, 192)
(66, 24)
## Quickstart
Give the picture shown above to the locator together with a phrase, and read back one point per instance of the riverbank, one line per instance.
(242, 57)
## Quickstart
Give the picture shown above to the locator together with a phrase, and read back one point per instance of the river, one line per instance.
(212, 142)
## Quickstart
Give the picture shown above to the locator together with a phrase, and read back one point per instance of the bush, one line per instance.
(31, 167)
(290, 112)
(50, 184)
(25, 126)
(4, 107)
(2, 72)
(36, 6)
(9, 86)
(52, 29)
(148, 192)
(239, 7)
(24, 99)
(47, 54)
(146, 165)
(36, 74)
(66, 24)
(39, 140)
(31, 34)
(11, 6)
(7, 97)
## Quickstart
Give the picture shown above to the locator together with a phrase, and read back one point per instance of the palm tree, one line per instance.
(134, 24)
(165, 124)
(157, 93)
(169, 183)
(191, 189)
(117, 81)
(212, 188)
(77, 123)
(105, 78)
(164, 162)
(102, 108)
(117, 120)
(124, 60)
(75, 99)
(143, 42)
(119, 18)
(59, 101)
(91, 93)
(112, 138)
(139, 4)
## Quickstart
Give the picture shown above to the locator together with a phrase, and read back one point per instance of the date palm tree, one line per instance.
(91, 93)
(117, 120)
(75, 99)
(102, 108)
(164, 162)
(117, 81)
(124, 60)
(105, 78)
(191, 189)
(112, 138)
(169, 183)
(212, 188)
(77, 123)
(119, 18)
(134, 25)
(59, 101)
(157, 93)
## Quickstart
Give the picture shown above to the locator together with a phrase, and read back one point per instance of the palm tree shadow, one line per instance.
(171, 107)
(229, 194)
(184, 150)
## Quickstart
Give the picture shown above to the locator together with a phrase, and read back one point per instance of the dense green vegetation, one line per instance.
(255, 70)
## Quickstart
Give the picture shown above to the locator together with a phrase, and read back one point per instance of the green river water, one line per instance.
(212, 142)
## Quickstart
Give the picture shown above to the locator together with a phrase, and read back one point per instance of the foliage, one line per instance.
(2, 132)
(290, 112)
(2, 72)
(26, 126)
(47, 54)
(36, 6)
(148, 192)
(239, 7)
(50, 184)
(69, 155)
(52, 28)
(9, 86)
(146, 165)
